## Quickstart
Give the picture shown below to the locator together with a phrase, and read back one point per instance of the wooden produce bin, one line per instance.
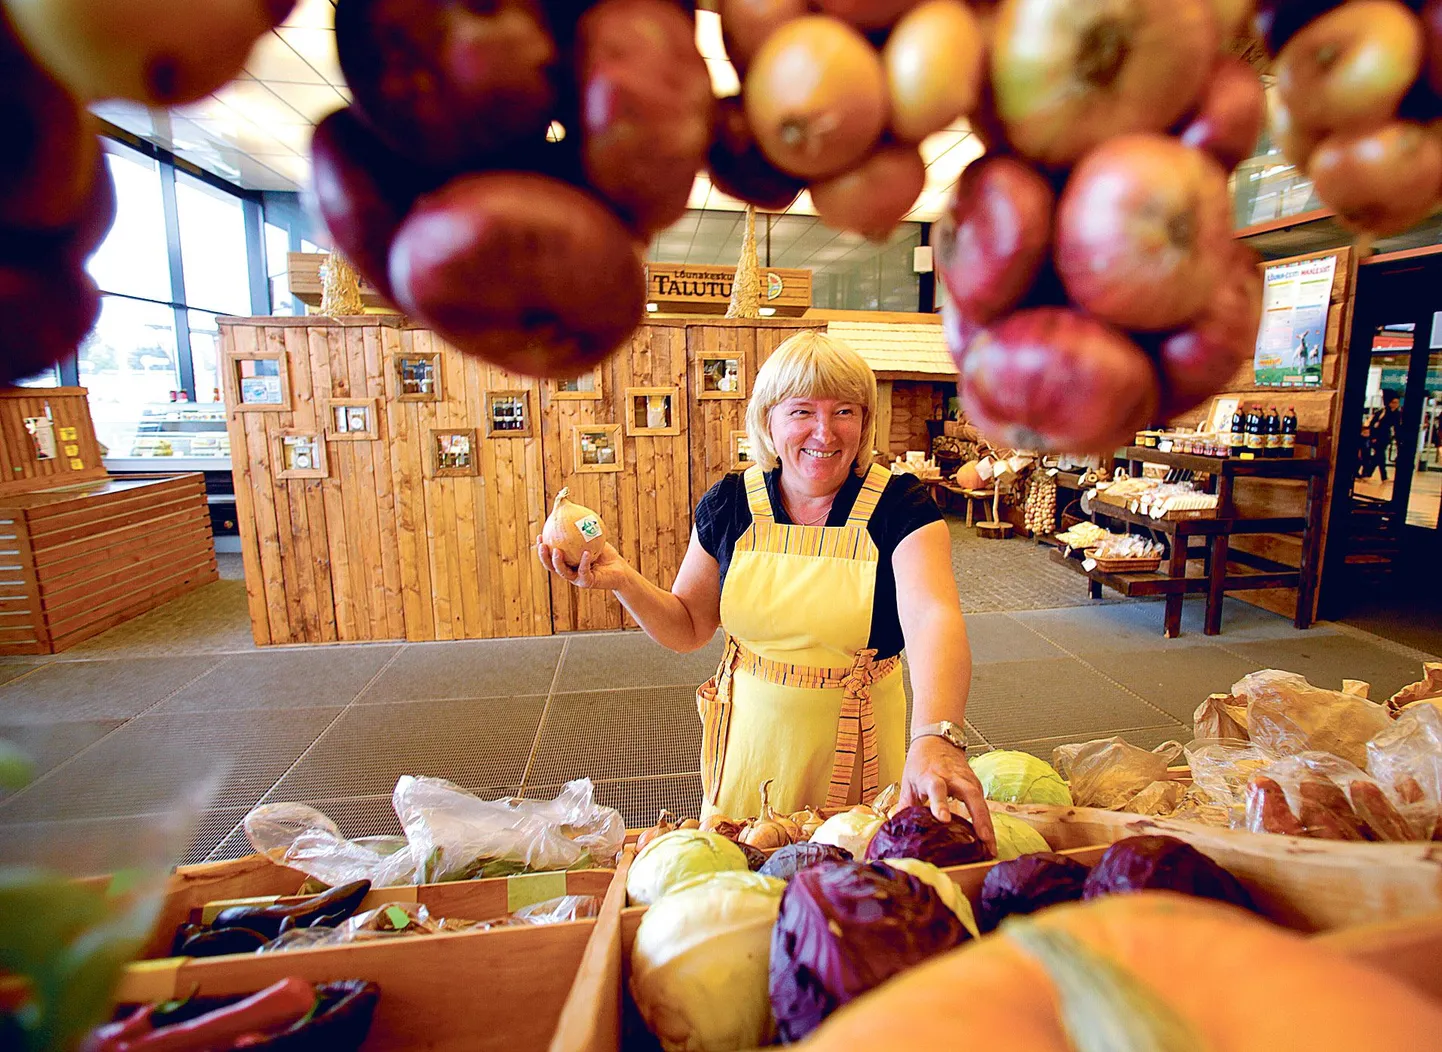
(428, 983)
(1392, 929)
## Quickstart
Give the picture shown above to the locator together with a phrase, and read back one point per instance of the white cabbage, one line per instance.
(851, 830)
(955, 899)
(1016, 837)
(701, 961)
(677, 856)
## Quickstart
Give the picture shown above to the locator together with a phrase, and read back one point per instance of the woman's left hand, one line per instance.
(935, 771)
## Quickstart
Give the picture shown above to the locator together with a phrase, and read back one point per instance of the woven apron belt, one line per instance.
(857, 724)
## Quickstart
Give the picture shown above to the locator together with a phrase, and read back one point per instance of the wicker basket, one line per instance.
(1124, 565)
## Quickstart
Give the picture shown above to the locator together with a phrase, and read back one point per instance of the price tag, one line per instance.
(76, 464)
(1089, 565)
(68, 434)
(399, 918)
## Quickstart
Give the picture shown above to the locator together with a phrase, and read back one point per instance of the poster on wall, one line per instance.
(1295, 302)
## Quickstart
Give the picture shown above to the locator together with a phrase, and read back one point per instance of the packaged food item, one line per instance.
(1286, 715)
(1407, 759)
(1318, 795)
(1109, 772)
(1221, 716)
(1426, 689)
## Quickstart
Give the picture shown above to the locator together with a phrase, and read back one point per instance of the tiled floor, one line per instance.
(180, 701)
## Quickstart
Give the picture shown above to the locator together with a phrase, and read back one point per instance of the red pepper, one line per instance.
(277, 1006)
(108, 1038)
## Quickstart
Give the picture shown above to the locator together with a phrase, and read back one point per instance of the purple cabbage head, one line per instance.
(914, 832)
(1163, 863)
(1028, 883)
(844, 928)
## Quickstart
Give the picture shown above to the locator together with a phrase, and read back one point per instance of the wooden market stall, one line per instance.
(80, 552)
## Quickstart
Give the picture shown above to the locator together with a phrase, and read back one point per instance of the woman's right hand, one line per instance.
(608, 571)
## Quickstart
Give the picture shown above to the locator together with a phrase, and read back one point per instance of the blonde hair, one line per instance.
(811, 365)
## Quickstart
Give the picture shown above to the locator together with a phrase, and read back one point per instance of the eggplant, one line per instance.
(333, 906)
(217, 942)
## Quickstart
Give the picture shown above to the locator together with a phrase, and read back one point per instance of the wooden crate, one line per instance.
(86, 557)
(1310, 885)
(428, 983)
(595, 1010)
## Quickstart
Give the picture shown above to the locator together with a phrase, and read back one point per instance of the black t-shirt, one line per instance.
(904, 506)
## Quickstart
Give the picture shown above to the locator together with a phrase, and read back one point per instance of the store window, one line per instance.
(205, 355)
(129, 360)
(277, 270)
(212, 247)
(134, 259)
(45, 378)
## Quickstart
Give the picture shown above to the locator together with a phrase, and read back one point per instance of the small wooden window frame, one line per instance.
(737, 464)
(231, 380)
(633, 393)
(529, 431)
(369, 434)
(580, 396)
(579, 465)
(319, 470)
(720, 356)
(441, 471)
(435, 394)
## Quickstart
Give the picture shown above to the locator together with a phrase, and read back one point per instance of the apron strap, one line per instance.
(876, 479)
(716, 720)
(856, 729)
(756, 495)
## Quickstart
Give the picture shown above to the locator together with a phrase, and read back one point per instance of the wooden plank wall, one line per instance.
(913, 403)
(1317, 410)
(20, 471)
(380, 549)
(22, 621)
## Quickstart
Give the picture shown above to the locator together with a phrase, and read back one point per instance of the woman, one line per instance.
(820, 565)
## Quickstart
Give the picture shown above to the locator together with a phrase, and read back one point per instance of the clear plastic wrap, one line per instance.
(450, 834)
(457, 836)
(1428, 688)
(1221, 716)
(385, 922)
(1109, 772)
(1286, 715)
(302, 838)
(1407, 759)
(1220, 770)
(558, 910)
(1315, 794)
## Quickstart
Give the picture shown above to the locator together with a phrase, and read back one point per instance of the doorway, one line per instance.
(1385, 557)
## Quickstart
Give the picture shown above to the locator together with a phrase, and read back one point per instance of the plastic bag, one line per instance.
(390, 921)
(1316, 794)
(450, 835)
(1108, 772)
(1286, 715)
(1221, 768)
(1407, 759)
(559, 910)
(1428, 688)
(302, 838)
(1221, 716)
(457, 836)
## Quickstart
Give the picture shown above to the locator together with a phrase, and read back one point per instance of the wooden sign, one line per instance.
(684, 288)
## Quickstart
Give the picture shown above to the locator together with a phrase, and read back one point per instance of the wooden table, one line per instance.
(1223, 570)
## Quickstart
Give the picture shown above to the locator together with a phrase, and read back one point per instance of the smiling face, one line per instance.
(816, 440)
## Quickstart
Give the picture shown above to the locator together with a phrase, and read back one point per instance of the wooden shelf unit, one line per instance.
(1222, 569)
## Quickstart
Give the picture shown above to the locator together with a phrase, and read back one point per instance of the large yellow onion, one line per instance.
(574, 530)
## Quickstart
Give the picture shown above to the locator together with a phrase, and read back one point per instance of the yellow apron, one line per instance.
(798, 697)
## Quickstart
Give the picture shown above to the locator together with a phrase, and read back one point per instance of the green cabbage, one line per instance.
(1016, 837)
(1020, 778)
(677, 856)
(955, 899)
(851, 830)
(700, 964)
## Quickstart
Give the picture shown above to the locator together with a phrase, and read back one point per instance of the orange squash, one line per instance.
(1209, 976)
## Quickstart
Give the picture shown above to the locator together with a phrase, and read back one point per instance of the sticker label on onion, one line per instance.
(590, 527)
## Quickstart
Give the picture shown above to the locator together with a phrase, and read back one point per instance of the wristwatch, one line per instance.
(945, 729)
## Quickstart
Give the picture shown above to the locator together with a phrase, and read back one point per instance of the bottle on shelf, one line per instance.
(1289, 433)
(1255, 437)
(1238, 438)
(1274, 432)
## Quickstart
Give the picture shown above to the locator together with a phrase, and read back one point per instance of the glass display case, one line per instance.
(177, 430)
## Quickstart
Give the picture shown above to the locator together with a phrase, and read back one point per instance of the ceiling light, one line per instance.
(556, 132)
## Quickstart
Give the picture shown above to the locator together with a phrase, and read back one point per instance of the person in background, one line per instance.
(1382, 432)
(821, 566)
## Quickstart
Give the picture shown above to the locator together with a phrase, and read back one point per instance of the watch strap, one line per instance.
(953, 733)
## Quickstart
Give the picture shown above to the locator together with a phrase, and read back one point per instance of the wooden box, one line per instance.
(84, 558)
(429, 984)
